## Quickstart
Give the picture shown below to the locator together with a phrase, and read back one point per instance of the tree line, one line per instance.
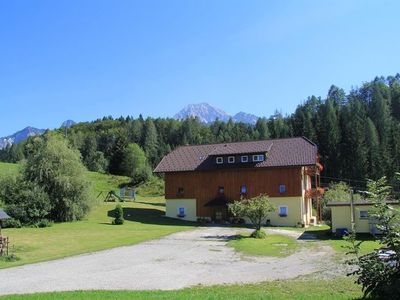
(358, 134)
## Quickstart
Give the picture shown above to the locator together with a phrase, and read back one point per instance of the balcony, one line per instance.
(314, 192)
(314, 170)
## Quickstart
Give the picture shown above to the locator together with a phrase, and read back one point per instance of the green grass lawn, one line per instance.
(144, 220)
(273, 245)
(338, 244)
(340, 288)
(7, 169)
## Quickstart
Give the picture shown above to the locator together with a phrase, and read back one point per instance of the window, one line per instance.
(243, 189)
(283, 211)
(258, 157)
(282, 188)
(181, 191)
(219, 160)
(364, 214)
(221, 190)
(181, 212)
(231, 159)
(244, 159)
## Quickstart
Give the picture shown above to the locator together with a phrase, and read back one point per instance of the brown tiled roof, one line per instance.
(242, 148)
(297, 151)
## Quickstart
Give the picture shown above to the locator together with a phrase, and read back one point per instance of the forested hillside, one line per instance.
(358, 134)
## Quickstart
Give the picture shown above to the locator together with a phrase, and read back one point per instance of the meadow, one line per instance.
(144, 221)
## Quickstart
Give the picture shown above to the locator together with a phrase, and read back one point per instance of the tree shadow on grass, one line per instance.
(328, 235)
(149, 216)
(151, 203)
(225, 238)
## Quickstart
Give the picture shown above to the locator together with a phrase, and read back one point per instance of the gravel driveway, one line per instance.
(179, 260)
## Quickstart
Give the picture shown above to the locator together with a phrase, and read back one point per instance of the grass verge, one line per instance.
(339, 288)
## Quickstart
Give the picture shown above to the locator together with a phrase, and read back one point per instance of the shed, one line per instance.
(343, 212)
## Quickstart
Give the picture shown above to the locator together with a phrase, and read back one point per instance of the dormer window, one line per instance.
(231, 159)
(219, 160)
(244, 159)
(258, 157)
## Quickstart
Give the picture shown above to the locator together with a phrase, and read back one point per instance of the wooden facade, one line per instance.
(205, 186)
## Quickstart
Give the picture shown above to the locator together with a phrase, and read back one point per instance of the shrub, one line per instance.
(12, 223)
(9, 258)
(24, 200)
(258, 234)
(119, 215)
(44, 223)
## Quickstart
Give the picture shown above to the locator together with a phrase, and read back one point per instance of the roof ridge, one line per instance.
(237, 142)
(308, 140)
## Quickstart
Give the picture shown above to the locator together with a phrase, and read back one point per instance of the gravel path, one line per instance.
(179, 260)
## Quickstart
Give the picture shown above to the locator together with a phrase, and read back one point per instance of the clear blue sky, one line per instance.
(84, 59)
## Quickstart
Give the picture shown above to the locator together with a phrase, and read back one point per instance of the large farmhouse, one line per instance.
(201, 180)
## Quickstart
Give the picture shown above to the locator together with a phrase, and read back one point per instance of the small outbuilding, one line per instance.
(343, 213)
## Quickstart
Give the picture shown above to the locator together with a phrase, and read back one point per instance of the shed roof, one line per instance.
(358, 203)
(298, 151)
(3, 215)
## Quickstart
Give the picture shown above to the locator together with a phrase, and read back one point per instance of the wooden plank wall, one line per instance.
(203, 185)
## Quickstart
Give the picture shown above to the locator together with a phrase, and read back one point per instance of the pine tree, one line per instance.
(150, 141)
(262, 129)
(329, 137)
(374, 160)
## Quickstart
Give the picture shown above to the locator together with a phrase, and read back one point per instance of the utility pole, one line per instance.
(352, 210)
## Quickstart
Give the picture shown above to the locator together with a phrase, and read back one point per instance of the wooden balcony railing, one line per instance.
(314, 192)
(313, 170)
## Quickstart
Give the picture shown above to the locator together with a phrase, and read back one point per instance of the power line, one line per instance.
(352, 180)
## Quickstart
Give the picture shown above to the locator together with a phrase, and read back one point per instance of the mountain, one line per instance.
(20, 136)
(245, 118)
(207, 114)
(68, 124)
(204, 111)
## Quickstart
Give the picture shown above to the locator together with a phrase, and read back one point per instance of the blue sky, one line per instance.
(82, 60)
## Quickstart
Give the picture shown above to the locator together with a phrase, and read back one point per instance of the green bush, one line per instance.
(44, 223)
(119, 215)
(12, 223)
(258, 234)
(9, 258)
(24, 201)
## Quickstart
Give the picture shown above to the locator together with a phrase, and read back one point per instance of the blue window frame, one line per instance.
(283, 211)
(244, 159)
(243, 189)
(181, 212)
(258, 157)
(282, 188)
